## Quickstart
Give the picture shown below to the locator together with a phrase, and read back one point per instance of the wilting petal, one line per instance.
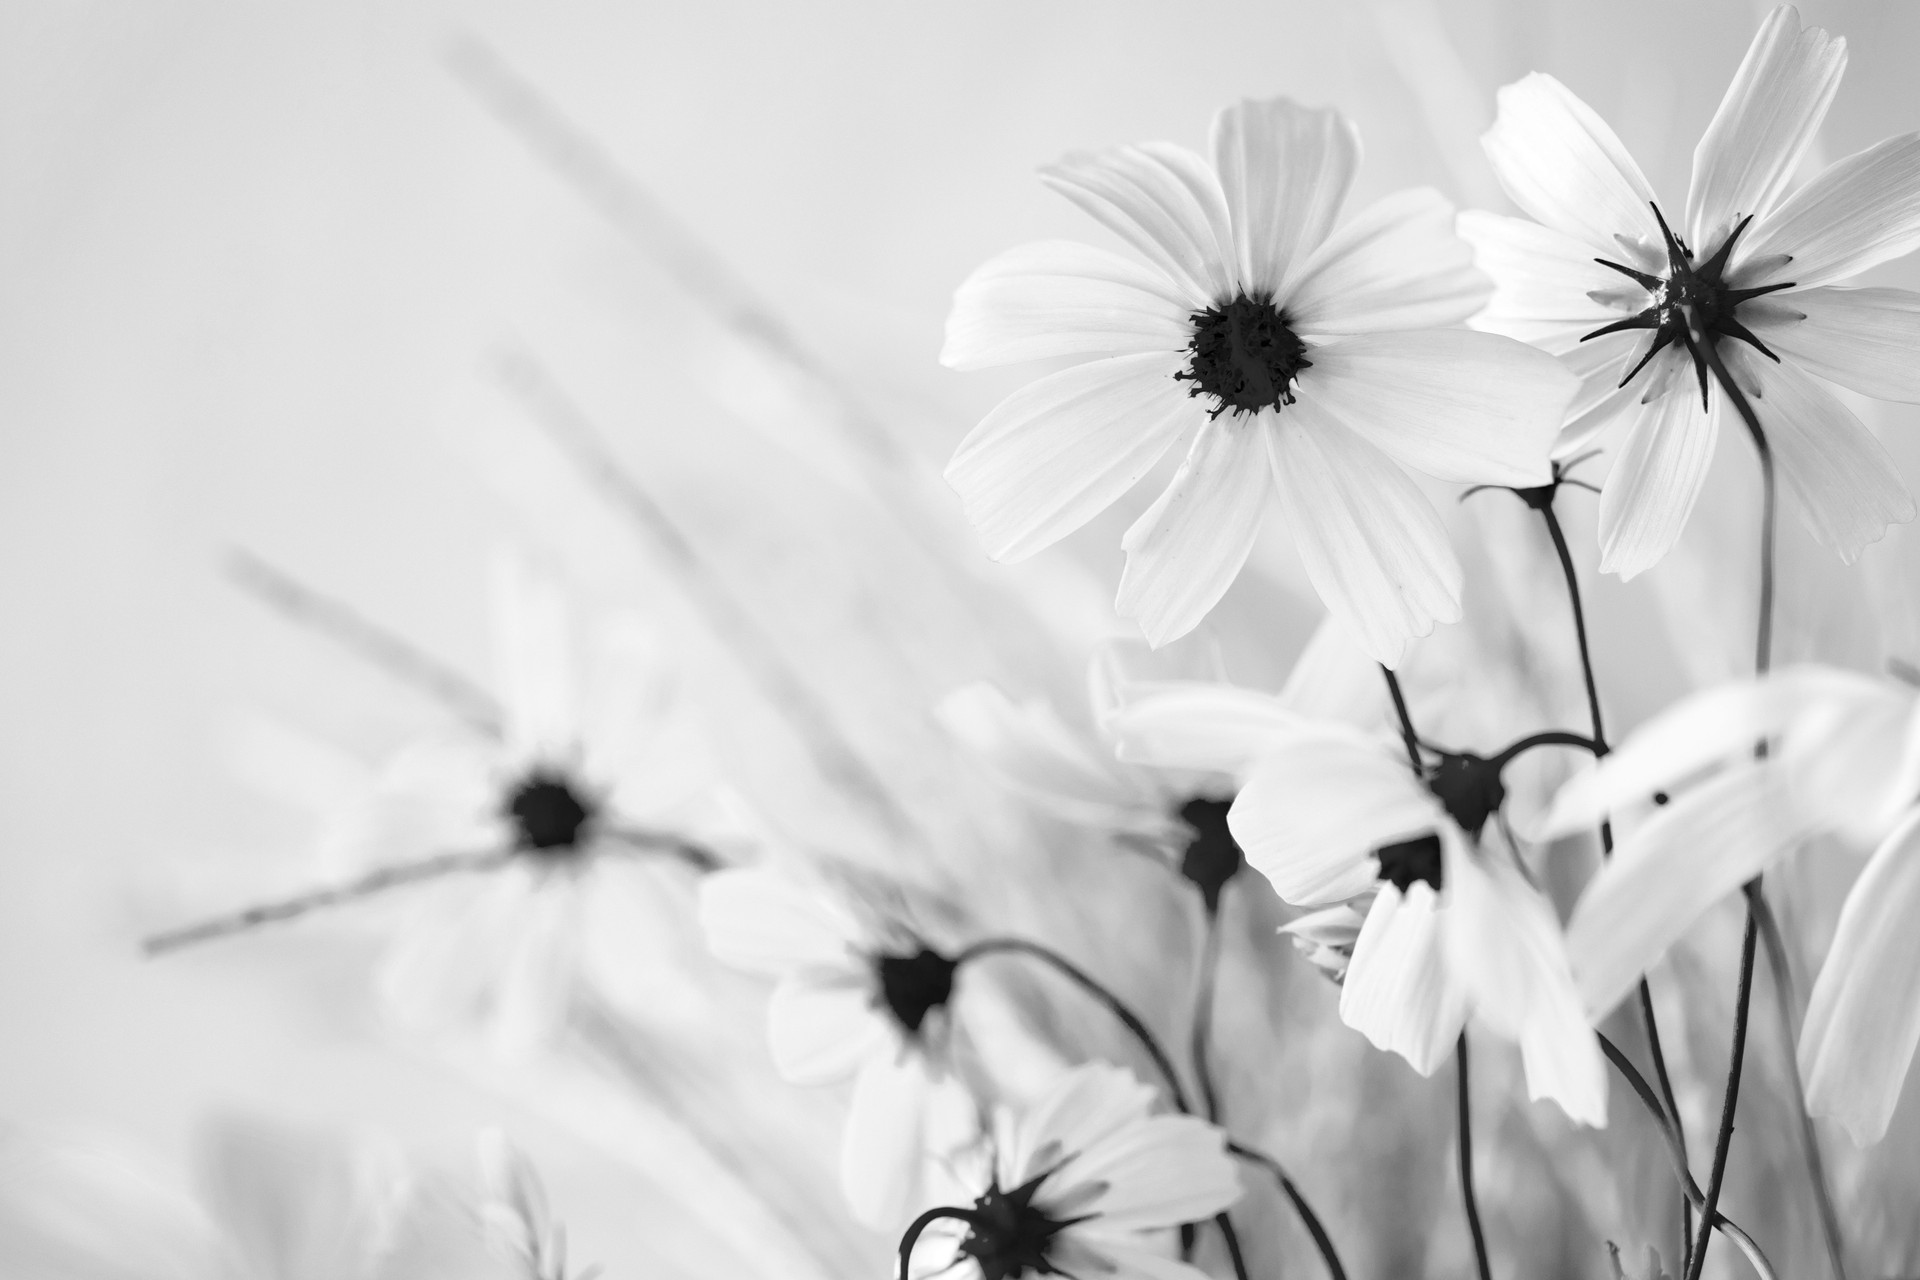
(1564, 167)
(1187, 548)
(1863, 1021)
(1855, 214)
(1474, 408)
(1312, 812)
(1542, 279)
(1506, 949)
(1686, 857)
(1285, 170)
(1845, 484)
(1032, 751)
(1165, 202)
(821, 1030)
(1372, 544)
(1058, 298)
(1400, 992)
(764, 922)
(1194, 725)
(1655, 481)
(1057, 452)
(1396, 264)
(1863, 339)
(1768, 117)
(881, 1149)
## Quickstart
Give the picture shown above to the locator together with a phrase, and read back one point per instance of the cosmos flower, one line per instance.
(859, 997)
(1309, 356)
(1843, 758)
(1646, 301)
(1084, 1182)
(1330, 815)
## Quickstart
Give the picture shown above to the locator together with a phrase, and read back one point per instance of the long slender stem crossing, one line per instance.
(1308, 1218)
(1207, 971)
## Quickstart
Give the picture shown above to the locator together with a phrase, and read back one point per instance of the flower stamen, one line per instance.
(1244, 355)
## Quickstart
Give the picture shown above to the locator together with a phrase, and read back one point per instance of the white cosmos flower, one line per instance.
(1745, 272)
(1329, 814)
(1085, 1182)
(1844, 757)
(1308, 354)
(855, 997)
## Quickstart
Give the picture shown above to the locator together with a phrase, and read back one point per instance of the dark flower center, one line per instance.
(912, 986)
(1008, 1236)
(1212, 856)
(1244, 356)
(1410, 860)
(1469, 788)
(548, 813)
(1692, 304)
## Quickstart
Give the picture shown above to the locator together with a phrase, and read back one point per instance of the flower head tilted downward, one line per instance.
(1654, 305)
(1080, 1184)
(1309, 356)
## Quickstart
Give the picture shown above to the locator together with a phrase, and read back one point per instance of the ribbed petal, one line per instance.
(1285, 170)
(1186, 549)
(1400, 992)
(1505, 946)
(1541, 280)
(1397, 264)
(1030, 750)
(1082, 1108)
(1059, 451)
(1863, 1021)
(1128, 1261)
(1564, 166)
(765, 923)
(1599, 364)
(1372, 545)
(1770, 114)
(1165, 202)
(1655, 481)
(882, 1149)
(1688, 856)
(822, 1030)
(1474, 408)
(1158, 1172)
(1857, 213)
(1846, 486)
(1058, 298)
(1313, 810)
(1863, 339)
(1191, 725)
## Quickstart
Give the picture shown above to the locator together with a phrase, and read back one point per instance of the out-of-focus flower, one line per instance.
(1084, 1182)
(1843, 757)
(1642, 307)
(1309, 356)
(514, 1215)
(860, 997)
(1329, 814)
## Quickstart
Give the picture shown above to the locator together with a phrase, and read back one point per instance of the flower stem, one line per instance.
(1466, 1164)
(1407, 734)
(911, 1236)
(1715, 1179)
(1207, 969)
(1308, 1218)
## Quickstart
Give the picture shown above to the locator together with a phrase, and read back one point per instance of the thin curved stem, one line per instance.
(1769, 501)
(377, 881)
(1407, 733)
(911, 1236)
(1207, 970)
(649, 840)
(1308, 1218)
(1715, 1179)
(1466, 1164)
(1551, 738)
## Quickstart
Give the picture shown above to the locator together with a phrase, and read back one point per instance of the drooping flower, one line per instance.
(1333, 815)
(1310, 356)
(860, 997)
(1084, 1182)
(1843, 758)
(1647, 302)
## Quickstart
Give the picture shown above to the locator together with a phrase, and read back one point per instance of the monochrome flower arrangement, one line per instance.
(946, 996)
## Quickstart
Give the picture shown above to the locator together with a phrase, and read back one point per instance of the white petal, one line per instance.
(1187, 548)
(1057, 452)
(1192, 725)
(1032, 751)
(1285, 170)
(1846, 486)
(1057, 298)
(820, 1031)
(1474, 408)
(1400, 992)
(882, 1148)
(79, 1212)
(535, 974)
(1599, 364)
(1855, 756)
(1313, 811)
(1767, 119)
(1564, 167)
(1371, 543)
(763, 922)
(1505, 945)
(1082, 1107)
(1334, 679)
(1165, 202)
(1863, 339)
(1689, 855)
(1857, 213)
(1863, 1021)
(1541, 278)
(1396, 264)
(1131, 1261)
(1655, 481)
(1158, 1172)
(534, 662)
